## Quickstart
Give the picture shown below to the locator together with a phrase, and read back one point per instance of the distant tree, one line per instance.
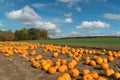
(30, 34)
(7, 35)
(43, 34)
(33, 33)
(21, 34)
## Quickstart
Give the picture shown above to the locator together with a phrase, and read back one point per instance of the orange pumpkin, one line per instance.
(87, 61)
(46, 67)
(87, 77)
(110, 58)
(116, 75)
(55, 54)
(62, 68)
(95, 75)
(92, 63)
(66, 76)
(109, 72)
(85, 71)
(63, 61)
(74, 62)
(58, 63)
(71, 65)
(101, 78)
(74, 72)
(104, 66)
(52, 70)
(61, 78)
(105, 60)
(38, 57)
(99, 60)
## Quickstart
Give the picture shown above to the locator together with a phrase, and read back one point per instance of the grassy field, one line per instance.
(108, 43)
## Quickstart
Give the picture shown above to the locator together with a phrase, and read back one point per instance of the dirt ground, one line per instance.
(18, 68)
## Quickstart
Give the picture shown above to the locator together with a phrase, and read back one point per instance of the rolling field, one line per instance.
(108, 43)
(34, 61)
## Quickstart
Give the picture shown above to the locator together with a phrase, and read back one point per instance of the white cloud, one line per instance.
(70, 2)
(75, 34)
(26, 14)
(102, 0)
(1, 24)
(29, 17)
(78, 9)
(116, 33)
(112, 16)
(38, 5)
(68, 14)
(68, 20)
(93, 24)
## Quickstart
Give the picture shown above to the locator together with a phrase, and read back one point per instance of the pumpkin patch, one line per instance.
(64, 62)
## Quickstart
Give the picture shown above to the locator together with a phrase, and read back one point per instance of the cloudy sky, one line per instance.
(62, 18)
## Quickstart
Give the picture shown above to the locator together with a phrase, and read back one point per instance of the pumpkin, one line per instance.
(61, 78)
(105, 60)
(87, 61)
(104, 66)
(46, 67)
(66, 76)
(74, 72)
(36, 64)
(52, 70)
(116, 75)
(63, 61)
(62, 68)
(92, 63)
(24, 55)
(55, 54)
(6, 55)
(109, 72)
(57, 66)
(77, 59)
(101, 78)
(58, 63)
(74, 62)
(85, 71)
(38, 57)
(94, 57)
(99, 60)
(110, 53)
(87, 77)
(95, 75)
(110, 58)
(70, 65)
(33, 53)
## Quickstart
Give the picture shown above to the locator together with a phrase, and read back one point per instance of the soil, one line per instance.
(17, 68)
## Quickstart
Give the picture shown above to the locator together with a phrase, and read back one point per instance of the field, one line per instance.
(33, 60)
(107, 43)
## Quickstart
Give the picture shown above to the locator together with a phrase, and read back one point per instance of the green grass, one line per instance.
(108, 43)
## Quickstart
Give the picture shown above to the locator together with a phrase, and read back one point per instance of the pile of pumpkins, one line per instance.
(67, 68)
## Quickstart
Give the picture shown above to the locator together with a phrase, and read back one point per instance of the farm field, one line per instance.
(108, 43)
(38, 61)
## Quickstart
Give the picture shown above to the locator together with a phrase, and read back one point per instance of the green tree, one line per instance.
(33, 33)
(21, 34)
(7, 35)
(43, 34)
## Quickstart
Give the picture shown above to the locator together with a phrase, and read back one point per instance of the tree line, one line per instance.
(23, 34)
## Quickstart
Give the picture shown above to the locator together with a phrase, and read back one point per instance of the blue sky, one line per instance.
(62, 18)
